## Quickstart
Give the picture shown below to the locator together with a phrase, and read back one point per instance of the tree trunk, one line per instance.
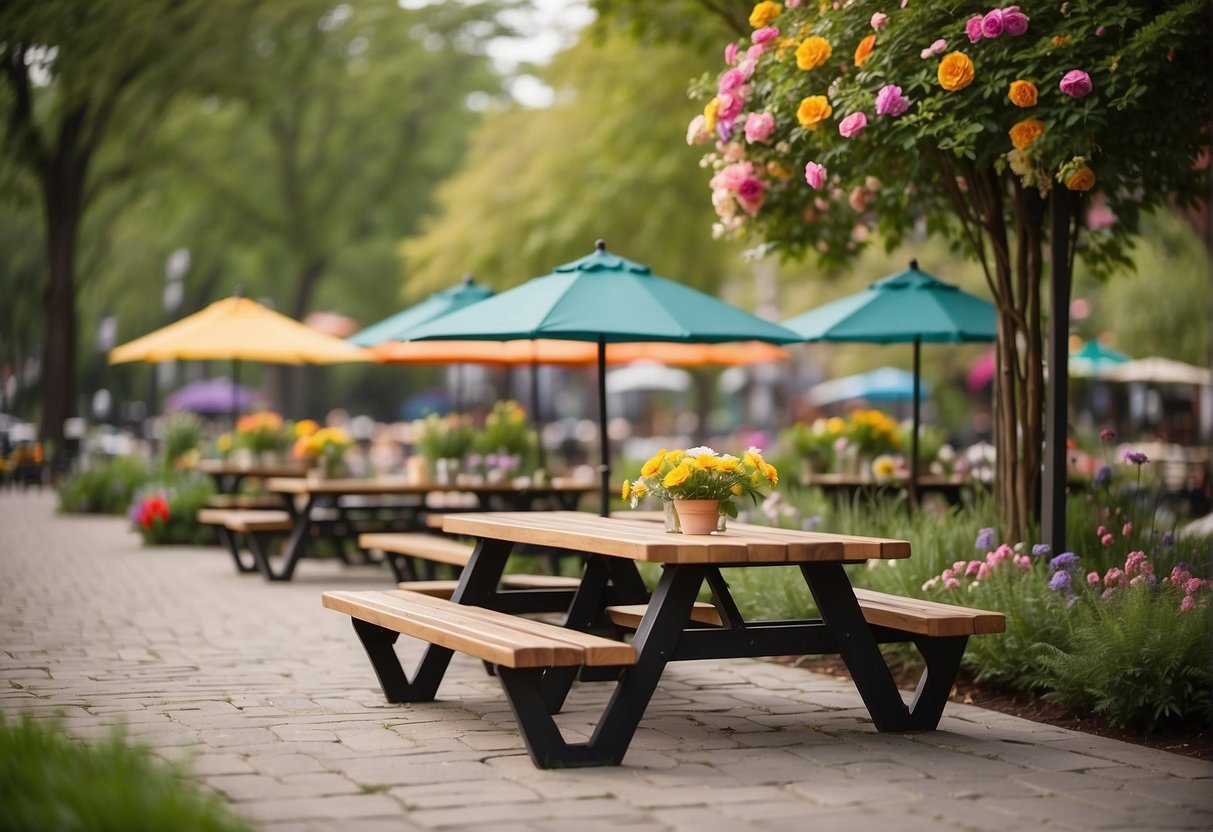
(63, 192)
(299, 397)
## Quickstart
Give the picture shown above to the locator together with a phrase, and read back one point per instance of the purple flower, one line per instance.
(1014, 22)
(1076, 83)
(852, 125)
(1063, 562)
(1103, 475)
(1136, 457)
(815, 175)
(1042, 549)
(890, 102)
(973, 28)
(985, 539)
(991, 24)
(1060, 582)
(1168, 539)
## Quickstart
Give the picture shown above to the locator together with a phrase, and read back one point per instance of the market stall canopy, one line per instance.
(1160, 371)
(1094, 360)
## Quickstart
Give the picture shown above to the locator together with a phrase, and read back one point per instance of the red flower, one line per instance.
(153, 509)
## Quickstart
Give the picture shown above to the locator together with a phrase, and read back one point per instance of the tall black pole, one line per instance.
(235, 393)
(539, 457)
(1053, 492)
(916, 421)
(604, 442)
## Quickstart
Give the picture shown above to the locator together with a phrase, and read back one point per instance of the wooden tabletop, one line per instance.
(403, 485)
(226, 468)
(644, 540)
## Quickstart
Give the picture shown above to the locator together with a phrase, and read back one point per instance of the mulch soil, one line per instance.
(1191, 741)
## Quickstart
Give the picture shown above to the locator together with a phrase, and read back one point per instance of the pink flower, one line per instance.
(934, 49)
(947, 574)
(1014, 22)
(1126, 530)
(1092, 579)
(852, 125)
(1100, 31)
(815, 175)
(1107, 540)
(732, 81)
(1023, 562)
(1113, 578)
(755, 52)
(731, 105)
(952, 583)
(858, 200)
(1194, 585)
(730, 54)
(751, 193)
(759, 127)
(1076, 83)
(959, 566)
(973, 28)
(983, 572)
(890, 102)
(1107, 434)
(731, 176)
(879, 21)
(973, 568)
(765, 34)
(1187, 604)
(991, 24)
(1101, 531)
(1134, 563)
(792, 4)
(1140, 580)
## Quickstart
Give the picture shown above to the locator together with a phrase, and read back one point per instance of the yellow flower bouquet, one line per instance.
(702, 474)
(324, 447)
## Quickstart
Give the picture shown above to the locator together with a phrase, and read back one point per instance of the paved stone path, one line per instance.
(271, 700)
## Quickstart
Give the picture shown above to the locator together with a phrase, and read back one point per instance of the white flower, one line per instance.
(702, 450)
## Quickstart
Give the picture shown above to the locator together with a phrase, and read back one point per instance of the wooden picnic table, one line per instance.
(537, 666)
(228, 474)
(306, 498)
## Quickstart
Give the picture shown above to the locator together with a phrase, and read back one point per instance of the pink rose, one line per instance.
(1014, 22)
(731, 105)
(751, 193)
(765, 34)
(731, 81)
(973, 28)
(755, 51)
(1092, 579)
(758, 127)
(731, 176)
(879, 21)
(792, 4)
(852, 125)
(1107, 540)
(890, 102)
(991, 24)
(815, 175)
(1100, 31)
(730, 53)
(1076, 83)
(934, 49)
(858, 200)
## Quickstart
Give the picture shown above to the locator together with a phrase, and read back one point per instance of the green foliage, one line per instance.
(49, 781)
(444, 437)
(506, 429)
(165, 512)
(183, 432)
(104, 488)
(1134, 659)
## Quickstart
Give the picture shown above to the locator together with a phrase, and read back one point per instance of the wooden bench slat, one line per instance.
(629, 615)
(250, 501)
(446, 588)
(492, 636)
(246, 520)
(929, 618)
(419, 545)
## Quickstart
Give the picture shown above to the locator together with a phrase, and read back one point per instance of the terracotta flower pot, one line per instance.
(698, 516)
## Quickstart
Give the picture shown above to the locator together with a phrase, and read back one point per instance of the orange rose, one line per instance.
(813, 111)
(955, 71)
(1026, 132)
(814, 52)
(1082, 179)
(864, 50)
(1022, 94)
(1062, 40)
(764, 13)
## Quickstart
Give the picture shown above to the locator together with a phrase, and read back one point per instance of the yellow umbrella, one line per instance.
(238, 329)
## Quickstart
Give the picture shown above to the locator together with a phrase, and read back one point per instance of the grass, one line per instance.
(49, 781)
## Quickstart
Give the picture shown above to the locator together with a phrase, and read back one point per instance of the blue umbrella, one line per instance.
(887, 384)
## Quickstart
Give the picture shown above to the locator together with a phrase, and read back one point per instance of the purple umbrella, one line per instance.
(212, 395)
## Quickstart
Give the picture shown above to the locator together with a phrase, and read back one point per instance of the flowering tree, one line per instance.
(834, 123)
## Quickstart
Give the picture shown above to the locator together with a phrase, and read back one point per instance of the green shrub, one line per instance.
(183, 433)
(166, 512)
(1133, 658)
(51, 782)
(107, 488)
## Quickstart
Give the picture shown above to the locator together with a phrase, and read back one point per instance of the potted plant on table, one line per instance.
(699, 487)
(506, 441)
(444, 441)
(263, 437)
(324, 451)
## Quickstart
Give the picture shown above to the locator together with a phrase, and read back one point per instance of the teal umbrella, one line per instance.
(606, 299)
(886, 384)
(908, 307)
(396, 328)
(1094, 360)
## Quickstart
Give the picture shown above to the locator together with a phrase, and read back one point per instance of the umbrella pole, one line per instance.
(604, 504)
(916, 420)
(235, 394)
(539, 460)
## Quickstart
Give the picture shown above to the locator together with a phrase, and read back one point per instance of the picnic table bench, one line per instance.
(537, 668)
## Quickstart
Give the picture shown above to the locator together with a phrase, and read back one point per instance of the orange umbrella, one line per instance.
(574, 353)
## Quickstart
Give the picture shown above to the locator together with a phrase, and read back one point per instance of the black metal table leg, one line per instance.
(231, 540)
